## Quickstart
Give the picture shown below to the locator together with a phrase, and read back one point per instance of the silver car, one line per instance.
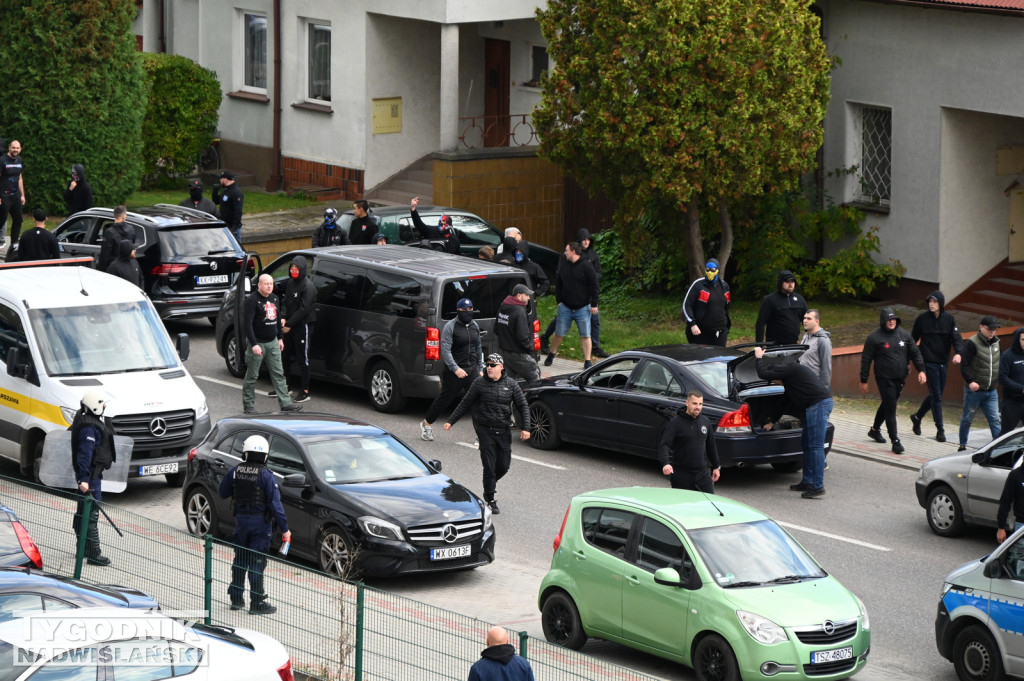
(965, 487)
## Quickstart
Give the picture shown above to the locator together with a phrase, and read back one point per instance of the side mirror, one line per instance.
(980, 457)
(294, 480)
(17, 365)
(668, 577)
(435, 464)
(181, 343)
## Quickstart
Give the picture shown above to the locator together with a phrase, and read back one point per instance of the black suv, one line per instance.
(189, 258)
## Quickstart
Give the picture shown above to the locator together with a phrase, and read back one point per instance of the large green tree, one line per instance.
(671, 106)
(73, 92)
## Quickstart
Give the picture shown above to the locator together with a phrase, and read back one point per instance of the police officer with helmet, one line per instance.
(92, 446)
(257, 505)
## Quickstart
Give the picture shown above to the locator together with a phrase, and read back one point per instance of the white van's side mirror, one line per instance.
(17, 365)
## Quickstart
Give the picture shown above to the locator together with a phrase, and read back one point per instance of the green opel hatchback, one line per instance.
(702, 580)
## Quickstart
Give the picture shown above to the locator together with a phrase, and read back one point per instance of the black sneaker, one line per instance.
(897, 446)
(263, 608)
(940, 435)
(249, 410)
(549, 359)
(292, 407)
(300, 396)
(238, 604)
(587, 364)
(916, 421)
(876, 436)
(813, 493)
(800, 487)
(961, 448)
(494, 507)
(598, 351)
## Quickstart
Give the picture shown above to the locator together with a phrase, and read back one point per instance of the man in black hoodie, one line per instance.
(891, 349)
(936, 330)
(782, 312)
(515, 335)
(78, 195)
(125, 265)
(499, 662)
(980, 371)
(113, 234)
(540, 281)
(197, 201)
(38, 243)
(687, 448)
(1011, 377)
(575, 287)
(591, 256)
(297, 316)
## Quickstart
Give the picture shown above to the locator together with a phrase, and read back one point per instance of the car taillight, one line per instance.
(433, 348)
(192, 454)
(536, 335)
(735, 420)
(164, 269)
(285, 671)
(558, 539)
(27, 545)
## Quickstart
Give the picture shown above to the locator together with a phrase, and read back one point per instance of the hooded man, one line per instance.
(515, 335)
(540, 281)
(113, 235)
(818, 355)
(507, 254)
(298, 312)
(328, 233)
(936, 331)
(197, 201)
(706, 308)
(443, 231)
(781, 314)
(1011, 377)
(462, 354)
(78, 195)
(38, 243)
(490, 398)
(891, 349)
(980, 371)
(499, 662)
(125, 265)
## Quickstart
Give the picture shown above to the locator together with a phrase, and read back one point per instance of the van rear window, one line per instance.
(486, 294)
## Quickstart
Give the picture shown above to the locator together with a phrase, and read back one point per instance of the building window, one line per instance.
(875, 156)
(255, 28)
(319, 62)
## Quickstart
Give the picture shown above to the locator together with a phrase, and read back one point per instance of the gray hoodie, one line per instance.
(818, 356)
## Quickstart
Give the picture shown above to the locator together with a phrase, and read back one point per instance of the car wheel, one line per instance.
(543, 429)
(32, 471)
(945, 516)
(335, 553)
(976, 655)
(713, 660)
(175, 479)
(787, 466)
(234, 358)
(561, 621)
(385, 393)
(200, 514)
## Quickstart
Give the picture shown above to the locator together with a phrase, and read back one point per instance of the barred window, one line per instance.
(875, 156)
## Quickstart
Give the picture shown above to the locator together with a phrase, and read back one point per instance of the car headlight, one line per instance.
(382, 529)
(203, 410)
(761, 629)
(866, 623)
(487, 515)
(69, 414)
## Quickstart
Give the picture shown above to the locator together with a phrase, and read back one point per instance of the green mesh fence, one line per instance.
(334, 630)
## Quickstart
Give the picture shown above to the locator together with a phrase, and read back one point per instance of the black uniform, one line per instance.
(257, 506)
(79, 198)
(38, 243)
(515, 338)
(113, 235)
(231, 201)
(780, 318)
(10, 195)
(891, 352)
(92, 445)
(1011, 377)
(299, 313)
(688, 444)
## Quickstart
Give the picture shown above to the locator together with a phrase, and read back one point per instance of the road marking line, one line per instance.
(220, 382)
(519, 458)
(865, 544)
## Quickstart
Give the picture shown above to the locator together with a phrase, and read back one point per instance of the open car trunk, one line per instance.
(766, 400)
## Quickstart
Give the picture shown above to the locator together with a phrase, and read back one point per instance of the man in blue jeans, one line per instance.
(980, 371)
(805, 392)
(577, 292)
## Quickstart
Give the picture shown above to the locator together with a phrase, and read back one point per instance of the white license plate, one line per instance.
(823, 656)
(212, 279)
(158, 469)
(449, 552)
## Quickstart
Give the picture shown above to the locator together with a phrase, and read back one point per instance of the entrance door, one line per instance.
(1017, 225)
(496, 95)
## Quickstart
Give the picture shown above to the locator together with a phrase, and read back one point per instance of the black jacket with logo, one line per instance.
(688, 443)
(513, 326)
(891, 351)
(491, 403)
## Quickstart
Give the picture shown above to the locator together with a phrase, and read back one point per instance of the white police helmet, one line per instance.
(257, 444)
(95, 400)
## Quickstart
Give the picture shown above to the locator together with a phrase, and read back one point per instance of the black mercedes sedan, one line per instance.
(359, 501)
(624, 402)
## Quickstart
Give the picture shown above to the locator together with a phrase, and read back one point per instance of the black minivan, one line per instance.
(379, 314)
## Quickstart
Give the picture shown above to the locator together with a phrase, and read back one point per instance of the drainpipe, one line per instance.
(274, 183)
(162, 36)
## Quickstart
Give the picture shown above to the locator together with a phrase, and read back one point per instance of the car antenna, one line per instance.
(722, 515)
(82, 283)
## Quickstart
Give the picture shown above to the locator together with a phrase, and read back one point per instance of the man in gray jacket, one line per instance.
(462, 354)
(818, 356)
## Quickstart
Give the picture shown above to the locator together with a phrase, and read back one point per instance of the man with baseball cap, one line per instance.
(515, 335)
(490, 398)
(38, 243)
(197, 201)
(231, 200)
(980, 371)
(462, 354)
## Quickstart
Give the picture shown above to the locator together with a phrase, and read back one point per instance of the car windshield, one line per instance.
(102, 339)
(196, 241)
(753, 554)
(346, 460)
(714, 374)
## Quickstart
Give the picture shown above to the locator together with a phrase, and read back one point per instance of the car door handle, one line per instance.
(580, 555)
(633, 579)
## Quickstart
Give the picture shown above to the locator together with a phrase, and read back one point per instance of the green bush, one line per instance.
(74, 92)
(181, 115)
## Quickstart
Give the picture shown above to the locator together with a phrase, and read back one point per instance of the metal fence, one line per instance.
(334, 630)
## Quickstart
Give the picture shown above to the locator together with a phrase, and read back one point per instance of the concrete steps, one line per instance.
(417, 179)
(1000, 292)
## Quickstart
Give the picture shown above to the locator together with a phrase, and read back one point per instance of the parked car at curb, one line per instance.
(963, 489)
(624, 402)
(358, 499)
(16, 545)
(25, 589)
(702, 580)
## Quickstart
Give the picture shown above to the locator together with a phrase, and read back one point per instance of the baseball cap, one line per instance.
(39, 214)
(990, 321)
(227, 175)
(195, 184)
(521, 288)
(464, 304)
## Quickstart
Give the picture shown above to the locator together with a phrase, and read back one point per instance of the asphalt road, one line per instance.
(868, 530)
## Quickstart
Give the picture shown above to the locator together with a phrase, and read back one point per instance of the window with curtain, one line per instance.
(255, 51)
(320, 62)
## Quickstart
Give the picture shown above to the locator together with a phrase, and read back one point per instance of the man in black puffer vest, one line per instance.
(980, 371)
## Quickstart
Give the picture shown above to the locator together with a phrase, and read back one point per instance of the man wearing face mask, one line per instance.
(462, 354)
(78, 195)
(443, 231)
(515, 335)
(328, 233)
(706, 308)
(197, 201)
(297, 317)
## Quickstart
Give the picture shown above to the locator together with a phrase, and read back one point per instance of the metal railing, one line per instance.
(511, 130)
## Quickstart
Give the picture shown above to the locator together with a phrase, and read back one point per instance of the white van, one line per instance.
(64, 330)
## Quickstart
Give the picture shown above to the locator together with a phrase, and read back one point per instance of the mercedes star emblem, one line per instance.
(158, 427)
(449, 533)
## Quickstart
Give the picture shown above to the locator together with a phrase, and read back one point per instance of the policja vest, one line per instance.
(249, 497)
(103, 456)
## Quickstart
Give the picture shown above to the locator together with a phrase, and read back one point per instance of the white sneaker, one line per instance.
(426, 431)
